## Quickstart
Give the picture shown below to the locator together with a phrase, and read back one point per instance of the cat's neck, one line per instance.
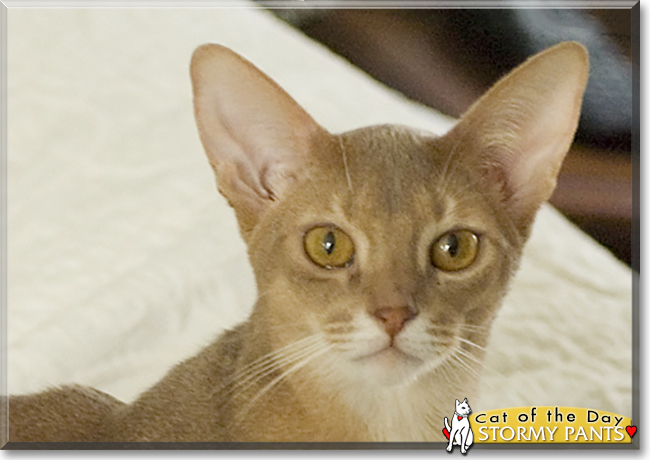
(408, 412)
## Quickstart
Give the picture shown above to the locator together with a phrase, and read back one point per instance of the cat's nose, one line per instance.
(394, 318)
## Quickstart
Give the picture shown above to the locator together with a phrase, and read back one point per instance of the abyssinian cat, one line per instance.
(381, 257)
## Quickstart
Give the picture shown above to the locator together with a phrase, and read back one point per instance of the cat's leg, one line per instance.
(470, 436)
(69, 414)
(458, 439)
(463, 439)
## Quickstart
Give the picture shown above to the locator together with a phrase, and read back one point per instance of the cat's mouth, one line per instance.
(387, 365)
(389, 353)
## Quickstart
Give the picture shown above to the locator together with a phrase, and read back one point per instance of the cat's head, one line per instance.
(383, 253)
(462, 407)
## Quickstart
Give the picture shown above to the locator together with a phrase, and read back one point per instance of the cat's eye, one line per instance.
(455, 250)
(329, 247)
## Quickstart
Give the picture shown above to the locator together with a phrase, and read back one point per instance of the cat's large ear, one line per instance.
(518, 133)
(255, 135)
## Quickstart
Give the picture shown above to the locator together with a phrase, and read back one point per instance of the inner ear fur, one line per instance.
(519, 132)
(256, 137)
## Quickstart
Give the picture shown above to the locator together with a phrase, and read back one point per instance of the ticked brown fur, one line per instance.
(314, 362)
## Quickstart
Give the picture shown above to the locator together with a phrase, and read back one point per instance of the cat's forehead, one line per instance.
(390, 152)
(392, 184)
(395, 170)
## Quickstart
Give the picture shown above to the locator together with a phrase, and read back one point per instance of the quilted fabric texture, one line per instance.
(124, 260)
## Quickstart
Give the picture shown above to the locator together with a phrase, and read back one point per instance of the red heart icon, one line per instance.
(630, 430)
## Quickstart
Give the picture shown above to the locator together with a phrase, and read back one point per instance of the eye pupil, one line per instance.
(329, 242)
(452, 245)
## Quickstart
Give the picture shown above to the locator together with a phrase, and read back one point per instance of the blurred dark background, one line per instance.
(447, 58)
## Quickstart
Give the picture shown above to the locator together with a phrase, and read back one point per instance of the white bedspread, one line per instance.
(123, 259)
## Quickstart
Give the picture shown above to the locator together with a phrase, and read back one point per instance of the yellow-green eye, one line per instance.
(454, 250)
(329, 247)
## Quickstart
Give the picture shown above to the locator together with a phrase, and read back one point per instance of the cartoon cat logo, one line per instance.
(460, 433)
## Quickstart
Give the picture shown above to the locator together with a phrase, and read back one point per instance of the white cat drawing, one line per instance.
(460, 433)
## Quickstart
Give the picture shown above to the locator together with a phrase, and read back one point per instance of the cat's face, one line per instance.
(382, 254)
(396, 263)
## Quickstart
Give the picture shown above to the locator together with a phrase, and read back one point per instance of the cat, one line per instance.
(460, 433)
(381, 257)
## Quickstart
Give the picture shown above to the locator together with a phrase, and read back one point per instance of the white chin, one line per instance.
(388, 367)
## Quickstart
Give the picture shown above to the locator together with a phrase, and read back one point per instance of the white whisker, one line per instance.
(296, 367)
(256, 375)
(469, 342)
(468, 356)
(263, 361)
(467, 367)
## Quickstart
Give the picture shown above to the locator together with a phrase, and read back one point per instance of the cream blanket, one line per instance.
(124, 260)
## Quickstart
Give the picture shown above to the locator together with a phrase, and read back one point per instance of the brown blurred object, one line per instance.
(396, 47)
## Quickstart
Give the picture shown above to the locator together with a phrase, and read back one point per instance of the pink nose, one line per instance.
(394, 318)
